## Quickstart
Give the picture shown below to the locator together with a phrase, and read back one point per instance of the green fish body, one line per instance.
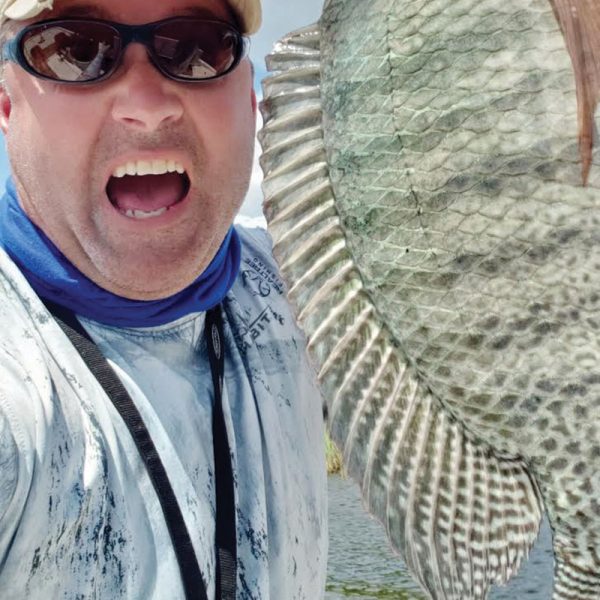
(423, 185)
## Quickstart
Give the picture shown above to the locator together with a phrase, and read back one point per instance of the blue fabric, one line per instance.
(53, 277)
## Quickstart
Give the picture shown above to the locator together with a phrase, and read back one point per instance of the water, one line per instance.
(362, 566)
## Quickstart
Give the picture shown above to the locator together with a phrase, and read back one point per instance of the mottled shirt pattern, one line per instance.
(79, 517)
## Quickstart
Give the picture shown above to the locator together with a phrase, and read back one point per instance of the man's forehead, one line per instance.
(247, 13)
(103, 10)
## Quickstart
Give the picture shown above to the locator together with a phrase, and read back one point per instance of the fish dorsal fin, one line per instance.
(462, 516)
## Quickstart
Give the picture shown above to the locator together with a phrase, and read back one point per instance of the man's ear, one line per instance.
(5, 106)
(253, 101)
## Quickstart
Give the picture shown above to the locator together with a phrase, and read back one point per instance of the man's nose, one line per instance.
(145, 99)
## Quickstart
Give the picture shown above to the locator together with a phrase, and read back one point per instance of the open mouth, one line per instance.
(145, 189)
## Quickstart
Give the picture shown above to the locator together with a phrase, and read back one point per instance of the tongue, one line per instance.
(147, 192)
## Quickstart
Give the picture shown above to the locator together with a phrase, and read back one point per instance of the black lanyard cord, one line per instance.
(225, 533)
(225, 526)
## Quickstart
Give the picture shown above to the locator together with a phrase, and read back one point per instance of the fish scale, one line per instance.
(423, 190)
(467, 266)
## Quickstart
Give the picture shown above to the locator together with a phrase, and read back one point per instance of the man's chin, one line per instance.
(142, 282)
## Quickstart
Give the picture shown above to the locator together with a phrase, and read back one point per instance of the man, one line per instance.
(127, 172)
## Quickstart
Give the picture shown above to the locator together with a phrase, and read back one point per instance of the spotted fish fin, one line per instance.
(461, 516)
(576, 570)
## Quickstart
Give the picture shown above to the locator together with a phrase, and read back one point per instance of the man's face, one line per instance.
(65, 142)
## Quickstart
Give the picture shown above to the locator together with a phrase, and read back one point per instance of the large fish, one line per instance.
(434, 199)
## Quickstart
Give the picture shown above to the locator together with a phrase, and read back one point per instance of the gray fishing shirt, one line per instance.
(79, 517)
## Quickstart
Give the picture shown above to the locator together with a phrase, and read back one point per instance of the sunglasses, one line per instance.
(80, 51)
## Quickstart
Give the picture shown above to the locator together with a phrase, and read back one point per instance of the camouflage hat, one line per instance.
(248, 11)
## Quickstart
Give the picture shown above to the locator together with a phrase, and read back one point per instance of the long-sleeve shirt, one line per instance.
(79, 517)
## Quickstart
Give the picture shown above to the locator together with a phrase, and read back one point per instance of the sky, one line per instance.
(279, 18)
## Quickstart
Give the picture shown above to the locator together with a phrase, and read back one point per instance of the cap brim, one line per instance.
(249, 13)
(19, 10)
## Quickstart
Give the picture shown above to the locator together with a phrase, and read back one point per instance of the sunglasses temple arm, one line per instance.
(9, 51)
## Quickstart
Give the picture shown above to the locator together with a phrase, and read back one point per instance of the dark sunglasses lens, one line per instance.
(71, 50)
(195, 50)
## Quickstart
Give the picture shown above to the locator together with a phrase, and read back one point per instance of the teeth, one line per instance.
(148, 167)
(143, 214)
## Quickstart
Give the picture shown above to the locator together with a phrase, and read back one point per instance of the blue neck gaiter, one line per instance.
(54, 278)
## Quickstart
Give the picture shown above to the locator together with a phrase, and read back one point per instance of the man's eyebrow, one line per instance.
(82, 10)
(199, 11)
